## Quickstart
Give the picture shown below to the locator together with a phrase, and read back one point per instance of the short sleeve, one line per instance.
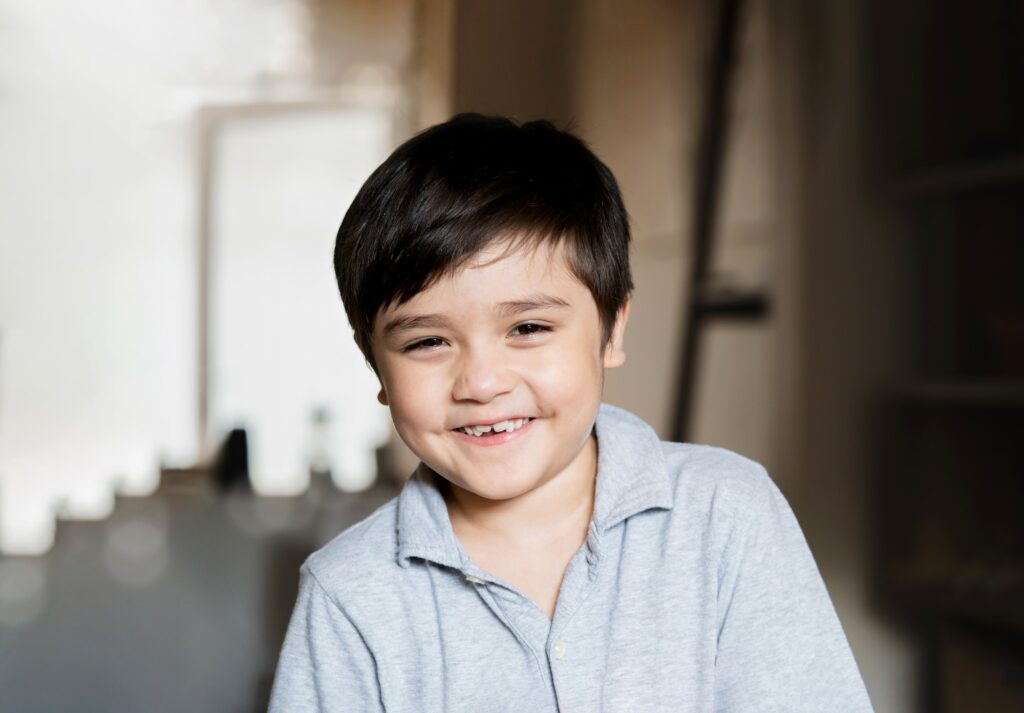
(780, 644)
(325, 664)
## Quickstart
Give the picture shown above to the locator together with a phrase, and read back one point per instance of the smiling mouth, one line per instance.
(507, 426)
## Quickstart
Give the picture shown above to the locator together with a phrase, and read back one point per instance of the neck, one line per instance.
(564, 503)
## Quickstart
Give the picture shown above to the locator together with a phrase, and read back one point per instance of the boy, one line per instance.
(550, 553)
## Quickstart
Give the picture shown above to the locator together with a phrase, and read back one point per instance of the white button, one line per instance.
(474, 580)
(558, 650)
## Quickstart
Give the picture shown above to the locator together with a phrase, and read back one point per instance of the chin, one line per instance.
(500, 489)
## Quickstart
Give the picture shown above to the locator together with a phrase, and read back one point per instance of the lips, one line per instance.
(508, 425)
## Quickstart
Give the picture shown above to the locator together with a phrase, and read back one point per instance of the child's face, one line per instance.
(503, 339)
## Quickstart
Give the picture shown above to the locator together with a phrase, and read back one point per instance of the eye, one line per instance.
(427, 344)
(528, 329)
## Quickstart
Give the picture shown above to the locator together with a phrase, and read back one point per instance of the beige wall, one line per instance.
(637, 74)
(515, 58)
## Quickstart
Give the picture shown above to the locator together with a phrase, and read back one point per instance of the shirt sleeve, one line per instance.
(780, 644)
(325, 664)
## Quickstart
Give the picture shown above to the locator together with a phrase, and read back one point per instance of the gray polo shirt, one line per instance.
(694, 591)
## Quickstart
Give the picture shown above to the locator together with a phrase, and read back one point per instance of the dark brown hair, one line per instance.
(450, 191)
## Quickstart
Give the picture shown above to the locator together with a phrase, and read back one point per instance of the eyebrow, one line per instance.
(405, 323)
(415, 321)
(528, 304)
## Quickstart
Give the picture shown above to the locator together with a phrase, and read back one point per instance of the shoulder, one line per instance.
(732, 491)
(734, 502)
(361, 559)
(702, 479)
(716, 472)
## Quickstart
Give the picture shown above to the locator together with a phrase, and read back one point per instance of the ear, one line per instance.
(613, 354)
(382, 396)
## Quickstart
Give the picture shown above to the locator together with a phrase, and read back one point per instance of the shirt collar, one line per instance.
(631, 477)
(424, 529)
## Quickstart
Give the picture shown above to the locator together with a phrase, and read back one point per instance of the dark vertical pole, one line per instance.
(707, 171)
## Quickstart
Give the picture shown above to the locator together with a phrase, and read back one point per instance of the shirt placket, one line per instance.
(566, 662)
(559, 665)
(527, 623)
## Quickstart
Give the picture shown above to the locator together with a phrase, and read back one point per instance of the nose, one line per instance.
(481, 377)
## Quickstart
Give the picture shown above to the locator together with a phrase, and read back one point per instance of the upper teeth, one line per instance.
(510, 425)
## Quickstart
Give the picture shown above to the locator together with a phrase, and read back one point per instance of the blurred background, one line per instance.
(827, 201)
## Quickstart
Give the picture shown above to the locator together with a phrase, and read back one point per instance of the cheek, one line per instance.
(571, 372)
(414, 424)
(414, 397)
(410, 404)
